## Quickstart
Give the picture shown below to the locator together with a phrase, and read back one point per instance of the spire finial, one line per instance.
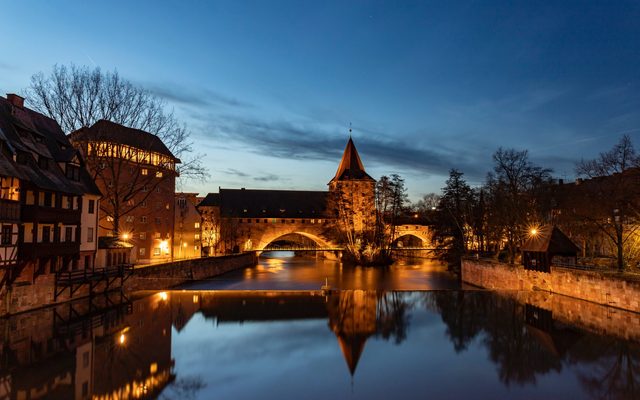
(349, 130)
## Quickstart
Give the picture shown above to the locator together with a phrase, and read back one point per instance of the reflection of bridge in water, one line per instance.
(274, 247)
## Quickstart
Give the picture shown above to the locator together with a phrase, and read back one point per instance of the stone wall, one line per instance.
(164, 276)
(584, 314)
(28, 296)
(602, 288)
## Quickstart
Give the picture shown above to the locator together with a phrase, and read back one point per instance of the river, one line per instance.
(405, 332)
(282, 270)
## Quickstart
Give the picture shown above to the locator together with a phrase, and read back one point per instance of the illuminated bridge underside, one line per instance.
(263, 238)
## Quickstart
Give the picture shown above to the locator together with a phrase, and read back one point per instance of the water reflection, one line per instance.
(345, 344)
(281, 270)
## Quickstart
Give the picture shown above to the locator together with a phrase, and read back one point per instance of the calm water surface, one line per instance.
(367, 343)
(282, 271)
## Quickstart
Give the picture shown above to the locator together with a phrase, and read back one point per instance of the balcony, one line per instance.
(50, 215)
(30, 251)
(9, 211)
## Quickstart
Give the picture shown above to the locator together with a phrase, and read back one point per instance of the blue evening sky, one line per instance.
(268, 88)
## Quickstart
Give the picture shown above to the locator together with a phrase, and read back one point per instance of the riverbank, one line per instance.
(42, 291)
(609, 289)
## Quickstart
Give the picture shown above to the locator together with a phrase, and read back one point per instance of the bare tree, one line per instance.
(513, 187)
(608, 200)
(77, 96)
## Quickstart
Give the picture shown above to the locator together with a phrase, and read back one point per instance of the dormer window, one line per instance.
(43, 162)
(73, 172)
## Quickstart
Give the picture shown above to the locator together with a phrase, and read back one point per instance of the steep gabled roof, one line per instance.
(31, 136)
(552, 240)
(272, 203)
(108, 131)
(210, 200)
(351, 167)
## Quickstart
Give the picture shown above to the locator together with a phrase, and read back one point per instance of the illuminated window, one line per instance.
(158, 174)
(156, 251)
(142, 251)
(196, 225)
(143, 235)
(196, 236)
(144, 171)
(109, 218)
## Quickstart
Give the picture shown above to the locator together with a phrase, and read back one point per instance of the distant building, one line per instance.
(136, 173)
(48, 200)
(248, 219)
(187, 236)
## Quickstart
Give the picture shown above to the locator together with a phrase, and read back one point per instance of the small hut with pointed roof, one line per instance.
(548, 242)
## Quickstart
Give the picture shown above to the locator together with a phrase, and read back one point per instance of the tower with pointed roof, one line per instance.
(353, 191)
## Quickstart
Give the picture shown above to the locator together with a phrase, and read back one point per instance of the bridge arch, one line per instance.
(421, 232)
(275, 236)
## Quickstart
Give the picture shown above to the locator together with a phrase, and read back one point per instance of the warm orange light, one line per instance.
(533, 231)
(125, 236)
(122, 339)
(163, 296)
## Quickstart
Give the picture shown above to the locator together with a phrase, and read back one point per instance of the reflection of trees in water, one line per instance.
(392, 319)
(613, 367)
(517, 354)
(608, 368)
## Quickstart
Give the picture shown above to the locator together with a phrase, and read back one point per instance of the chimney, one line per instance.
(15, 100)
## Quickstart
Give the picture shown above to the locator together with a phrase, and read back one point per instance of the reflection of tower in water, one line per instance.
(352, 317)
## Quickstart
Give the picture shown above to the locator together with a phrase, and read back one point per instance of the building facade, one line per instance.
(45, 188)
(187, 236)
(136, 173)
(246, 219)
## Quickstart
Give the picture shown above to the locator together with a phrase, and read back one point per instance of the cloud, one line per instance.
(267, 178)
(281, 139)
(189, 96)
(234, 172)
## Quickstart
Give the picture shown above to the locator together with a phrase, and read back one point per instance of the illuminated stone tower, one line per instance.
(353, 192)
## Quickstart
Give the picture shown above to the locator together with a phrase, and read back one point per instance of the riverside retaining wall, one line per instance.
(28, 296)
(608, 289)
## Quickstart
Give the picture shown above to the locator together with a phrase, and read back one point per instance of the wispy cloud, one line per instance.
(267, 178)
(190, 96)
(281, 139)
(234, 172)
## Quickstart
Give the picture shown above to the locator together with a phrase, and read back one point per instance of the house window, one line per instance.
(68, 233)
(158, 174)
(157, 235)
(145, 188)
(196, 225)
(48, 199)
(144, 171)
(46, 234)
(158, 220)
(196, 236)
(92, 206)
(144, 203)
(69, 202)
(143, 219)
(143, 235)
(89, 235)
(142, 251)
(129, 218)
(109, 218)
(6, 234)
(157, 189)
(156, 251)
(73, 172)
(182, 202)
